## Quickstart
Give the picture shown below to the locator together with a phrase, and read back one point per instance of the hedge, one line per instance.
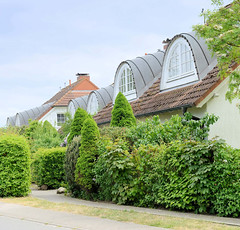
(48, 167)
(15, 175)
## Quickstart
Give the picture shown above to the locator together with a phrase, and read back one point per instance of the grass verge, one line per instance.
(126, 216)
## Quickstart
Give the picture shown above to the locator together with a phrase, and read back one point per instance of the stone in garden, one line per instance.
(44, 187)
(61, 190)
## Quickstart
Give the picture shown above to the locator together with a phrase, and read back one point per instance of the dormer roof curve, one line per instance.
(11, 121)
(79, 102)
(145, 70)
(103, 95)
(203, 58)
(22, 118)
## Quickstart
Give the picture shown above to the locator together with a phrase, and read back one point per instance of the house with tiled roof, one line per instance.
(55, 108)
(183, 78)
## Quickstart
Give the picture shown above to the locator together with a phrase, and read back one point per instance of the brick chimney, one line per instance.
(81, 76)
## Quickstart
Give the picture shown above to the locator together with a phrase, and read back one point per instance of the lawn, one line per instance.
(125, 216)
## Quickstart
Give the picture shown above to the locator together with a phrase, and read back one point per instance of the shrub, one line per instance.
(152, 131)
(227, 182)
(42, 135)
(15, 176)
(114, 172)
(66, 126)
(122, 114)
(48, 167)
(113, 133)
(88, 154)
(196, 177)
(76, 126)
(70, 162)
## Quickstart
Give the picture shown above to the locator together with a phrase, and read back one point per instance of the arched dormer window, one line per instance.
(125, 82)
(178, 68)
(92, 106)
(180, 62)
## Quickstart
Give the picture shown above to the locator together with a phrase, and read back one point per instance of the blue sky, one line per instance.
(43, 44)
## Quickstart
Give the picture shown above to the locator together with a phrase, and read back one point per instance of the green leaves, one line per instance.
(79, 117)
(48, 167)
(15, 175)
(122, 114)
(88, 153)
(221, 32)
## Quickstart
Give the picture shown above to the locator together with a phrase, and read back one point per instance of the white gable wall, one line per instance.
(228, 125)
(51, 116)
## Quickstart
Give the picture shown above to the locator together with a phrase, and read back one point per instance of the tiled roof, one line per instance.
(71, 92)
(154, 101)
(71, 95)
(62, 92)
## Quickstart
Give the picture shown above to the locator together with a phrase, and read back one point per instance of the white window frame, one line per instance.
(179, 50)
(180, 56)
(92, 106)
(125, 83)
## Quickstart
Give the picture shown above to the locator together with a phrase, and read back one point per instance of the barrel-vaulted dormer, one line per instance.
(22, 118)
(79, 102)
(98, 99)
(186, 60)
(134, 77)
(11, 121)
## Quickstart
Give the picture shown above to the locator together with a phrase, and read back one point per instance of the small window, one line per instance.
(60, 119)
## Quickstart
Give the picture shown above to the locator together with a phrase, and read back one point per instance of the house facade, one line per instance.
(55, 108)
(188, 81)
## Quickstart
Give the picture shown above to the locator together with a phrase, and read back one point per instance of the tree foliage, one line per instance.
(122, 114)
(42, 135)
(66, 126)
(88, 153)
(70, 162)
(221, 31)
(76, 126)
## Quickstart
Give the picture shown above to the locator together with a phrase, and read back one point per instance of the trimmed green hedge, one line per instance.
(15, 175)
(48, 167)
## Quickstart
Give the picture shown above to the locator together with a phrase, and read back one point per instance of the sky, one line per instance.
(43, 44)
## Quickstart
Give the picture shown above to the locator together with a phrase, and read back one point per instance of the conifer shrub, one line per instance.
(88, 153)
(70, 162)
(77, 123)
(15, 175)
(122, 113)
(48, 167)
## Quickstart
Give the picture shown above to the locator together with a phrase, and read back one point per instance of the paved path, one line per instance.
(9, 223)
(19, 217)
(51, 195)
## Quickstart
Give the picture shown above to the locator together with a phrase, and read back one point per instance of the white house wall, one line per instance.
(228, 125)
(51, 116)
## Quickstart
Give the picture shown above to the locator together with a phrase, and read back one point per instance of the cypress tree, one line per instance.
(122, 113)
(88, 153)
(76, 127)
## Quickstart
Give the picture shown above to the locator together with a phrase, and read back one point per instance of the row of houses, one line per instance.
(183, 77)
